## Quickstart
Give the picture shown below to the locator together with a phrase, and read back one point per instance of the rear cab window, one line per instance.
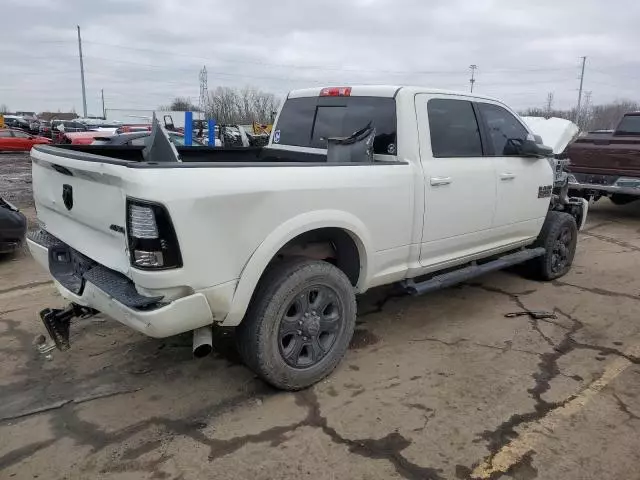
(309, 121)
(629, 125)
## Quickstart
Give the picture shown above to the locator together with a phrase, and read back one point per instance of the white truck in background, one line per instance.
(359, 187)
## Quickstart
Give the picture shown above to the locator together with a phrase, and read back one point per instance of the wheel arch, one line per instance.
(283, 236)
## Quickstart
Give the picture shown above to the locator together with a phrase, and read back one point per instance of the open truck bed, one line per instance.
(125, 155)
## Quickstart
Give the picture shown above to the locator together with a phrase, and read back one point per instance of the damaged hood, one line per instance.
(556, 133)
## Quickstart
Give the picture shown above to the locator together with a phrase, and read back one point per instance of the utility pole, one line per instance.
(472, 80)
(584, 60)
(104, 112)
(84, 92)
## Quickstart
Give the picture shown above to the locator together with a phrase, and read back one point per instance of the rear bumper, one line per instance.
(609, 184)
(177, 316)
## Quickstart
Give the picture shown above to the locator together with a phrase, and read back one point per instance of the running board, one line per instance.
(452, 278)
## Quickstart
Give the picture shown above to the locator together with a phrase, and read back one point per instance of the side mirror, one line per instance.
(531, 146)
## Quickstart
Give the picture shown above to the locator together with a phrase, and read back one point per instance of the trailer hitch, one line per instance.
(58, 321)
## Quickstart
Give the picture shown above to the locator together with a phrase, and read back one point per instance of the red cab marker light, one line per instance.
(335, 92)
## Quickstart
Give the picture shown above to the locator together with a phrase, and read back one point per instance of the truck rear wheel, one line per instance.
(299, 324)
(559, 237)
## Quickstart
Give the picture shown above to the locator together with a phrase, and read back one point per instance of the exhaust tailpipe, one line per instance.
(202, 341)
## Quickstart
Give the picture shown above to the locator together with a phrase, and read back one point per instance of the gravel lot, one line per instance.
(15, 178)
(436, 387)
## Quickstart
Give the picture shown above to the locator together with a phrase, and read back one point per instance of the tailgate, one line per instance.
(82, 202)
(606, 156)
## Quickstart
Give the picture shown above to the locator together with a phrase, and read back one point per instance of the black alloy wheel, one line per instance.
(310, 326)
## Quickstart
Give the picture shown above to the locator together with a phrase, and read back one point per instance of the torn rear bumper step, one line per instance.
(457, 276)
(113, 295)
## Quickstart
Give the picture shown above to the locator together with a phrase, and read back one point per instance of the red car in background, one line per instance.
(134, 128)
(19, 141)
(85, 138)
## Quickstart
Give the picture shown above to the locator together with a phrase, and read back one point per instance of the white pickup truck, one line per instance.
(433, 188)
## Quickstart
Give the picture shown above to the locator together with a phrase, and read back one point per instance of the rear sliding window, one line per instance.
(309, 121)
(629, 125)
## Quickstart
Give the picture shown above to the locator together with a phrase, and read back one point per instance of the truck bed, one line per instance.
(124, 154)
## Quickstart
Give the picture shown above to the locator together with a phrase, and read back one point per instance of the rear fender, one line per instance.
(286, 232)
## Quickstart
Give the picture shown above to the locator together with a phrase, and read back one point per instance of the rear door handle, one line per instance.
(507, 176)
(435, 181)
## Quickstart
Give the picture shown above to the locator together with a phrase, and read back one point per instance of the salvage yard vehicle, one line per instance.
(358, 187)
(607, 164)
(139, 139)
(19, 141)
(13, 227)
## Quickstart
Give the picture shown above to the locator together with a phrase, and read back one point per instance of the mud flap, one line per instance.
(58, 322)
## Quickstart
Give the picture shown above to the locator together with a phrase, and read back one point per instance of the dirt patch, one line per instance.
(15, 179)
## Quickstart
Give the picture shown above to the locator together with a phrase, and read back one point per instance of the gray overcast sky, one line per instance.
(145, 52)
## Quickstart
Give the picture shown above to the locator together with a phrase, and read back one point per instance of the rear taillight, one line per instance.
(335, 92)
(153, 244)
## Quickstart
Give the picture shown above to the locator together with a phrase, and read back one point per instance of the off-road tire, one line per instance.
(258, 337)
(622, 199)
(543, 267)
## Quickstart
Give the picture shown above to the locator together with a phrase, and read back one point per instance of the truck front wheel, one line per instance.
(559, 237)
(299, 324)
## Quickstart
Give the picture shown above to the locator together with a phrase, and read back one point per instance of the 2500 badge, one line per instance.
(545, 191)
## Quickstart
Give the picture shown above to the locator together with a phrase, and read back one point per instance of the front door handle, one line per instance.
(507, 176)
(435, 181)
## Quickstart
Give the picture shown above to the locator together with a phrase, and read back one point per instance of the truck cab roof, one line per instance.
(389, 91)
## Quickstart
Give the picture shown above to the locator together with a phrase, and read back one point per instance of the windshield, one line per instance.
(309, 121)
(629, 125)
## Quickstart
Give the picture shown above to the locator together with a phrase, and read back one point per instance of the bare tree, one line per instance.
(180, 104)
(4, 108)
(232, 106)
(592, 117)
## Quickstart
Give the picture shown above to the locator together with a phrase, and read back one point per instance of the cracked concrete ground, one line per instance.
(435, 387)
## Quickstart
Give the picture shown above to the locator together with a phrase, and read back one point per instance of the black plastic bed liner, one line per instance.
(197, 154)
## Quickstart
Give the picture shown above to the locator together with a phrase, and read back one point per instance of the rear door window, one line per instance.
(309, 121)
(506, 133)
(454, 129)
